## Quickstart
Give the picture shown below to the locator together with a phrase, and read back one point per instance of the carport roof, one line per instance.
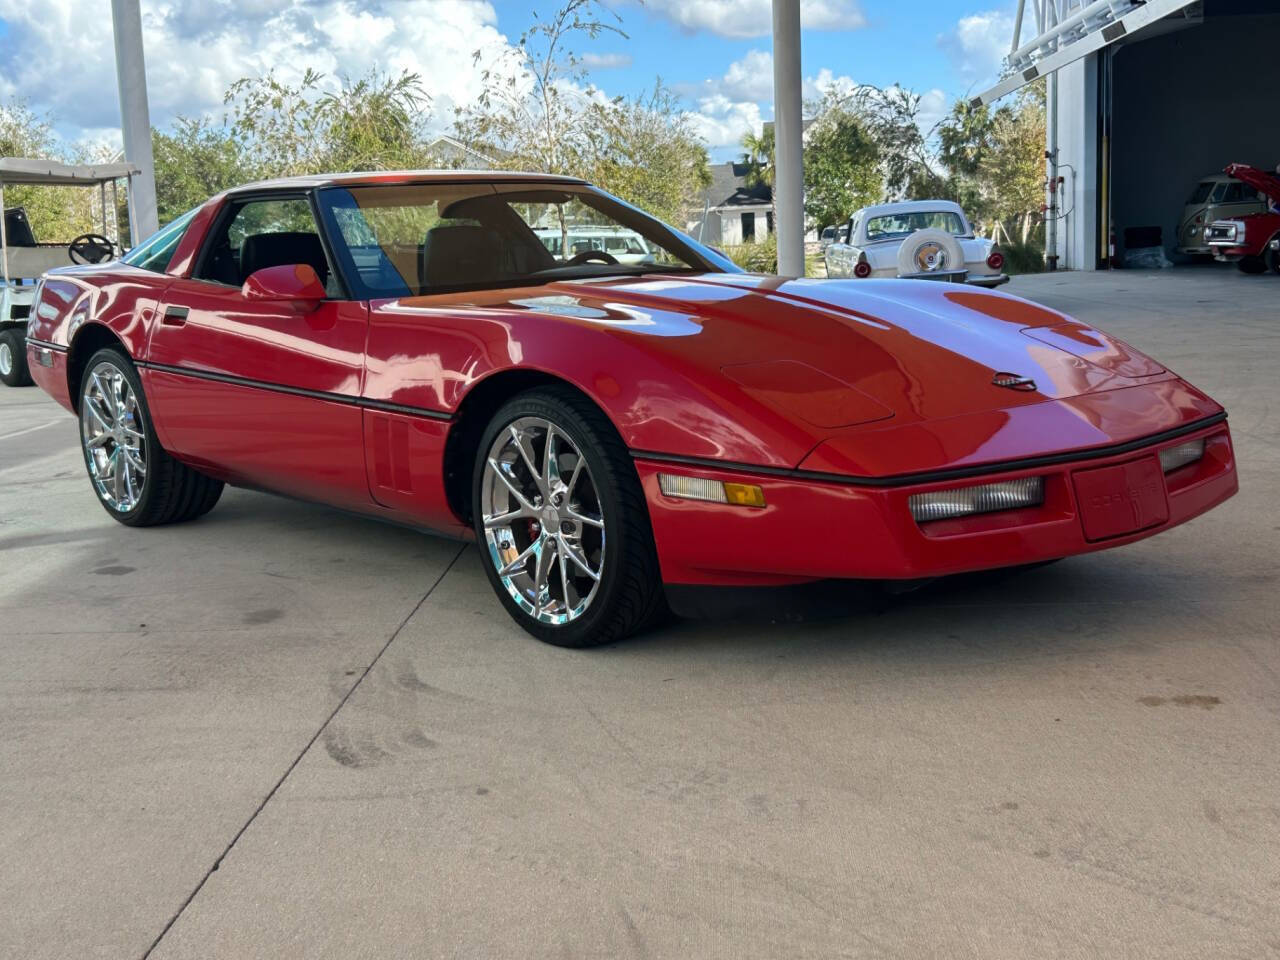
(31, 172)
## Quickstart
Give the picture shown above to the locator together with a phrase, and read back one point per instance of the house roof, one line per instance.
(729, 188)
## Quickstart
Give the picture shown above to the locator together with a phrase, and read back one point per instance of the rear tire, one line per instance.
(1272, 259)
(13, 358)
(567, 547)
(134, 478)
(1251, 265)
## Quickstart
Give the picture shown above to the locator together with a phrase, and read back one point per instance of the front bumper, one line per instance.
(815, 529)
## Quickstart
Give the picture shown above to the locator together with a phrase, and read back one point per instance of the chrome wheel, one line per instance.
(6, 357)
(115, 443)
(543, 525)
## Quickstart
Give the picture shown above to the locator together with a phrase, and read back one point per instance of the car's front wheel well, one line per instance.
(474, 413)
(91, 338)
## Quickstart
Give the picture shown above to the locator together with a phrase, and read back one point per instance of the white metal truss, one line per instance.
(1068, 30)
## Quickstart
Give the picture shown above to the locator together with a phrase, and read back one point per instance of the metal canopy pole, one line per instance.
(135, 119)
(4, 243)
(788, 180)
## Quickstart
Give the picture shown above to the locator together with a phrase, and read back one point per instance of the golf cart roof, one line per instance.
(50, 173)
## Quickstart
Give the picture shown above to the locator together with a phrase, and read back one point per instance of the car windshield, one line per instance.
(156, 251)
(410, 239)
(888, 226)
(1202, 191)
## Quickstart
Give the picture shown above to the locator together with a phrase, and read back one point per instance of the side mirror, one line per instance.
(294, 283)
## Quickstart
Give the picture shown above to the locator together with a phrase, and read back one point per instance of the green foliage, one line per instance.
(1023, 257)
(759, 157)
(759, 257)
(533, 105)
(538, 112)
(374, 123)
(841, 168)
(55, 213)
(194, 161)
(995, 160)
(644, 151)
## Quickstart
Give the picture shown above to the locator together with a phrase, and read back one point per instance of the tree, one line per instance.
(841, 168)
(995, 160)
(1015, 163)
(194, 161)
(538, 112)
(760, 149)
(645, 151)
(374, 123)
(55, 213)
(534, 102)
(891, 117)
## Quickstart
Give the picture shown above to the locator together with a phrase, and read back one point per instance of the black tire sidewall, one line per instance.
(122, 363)
(546, 405)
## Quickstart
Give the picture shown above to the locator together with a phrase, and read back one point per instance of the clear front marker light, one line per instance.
(987, 498)
(712, 491)
(1171, 458)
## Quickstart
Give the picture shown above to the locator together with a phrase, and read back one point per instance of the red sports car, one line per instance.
(615, 413)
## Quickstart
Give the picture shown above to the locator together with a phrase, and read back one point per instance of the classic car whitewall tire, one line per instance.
(561, 522)
(930, 251)
(134, 478)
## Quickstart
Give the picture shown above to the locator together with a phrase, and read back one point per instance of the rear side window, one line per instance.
(156, 251)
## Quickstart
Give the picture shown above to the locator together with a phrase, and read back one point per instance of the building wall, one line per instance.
(1173, 124)
(1078, 164)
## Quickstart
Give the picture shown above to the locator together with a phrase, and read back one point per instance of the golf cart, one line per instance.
(23, 260)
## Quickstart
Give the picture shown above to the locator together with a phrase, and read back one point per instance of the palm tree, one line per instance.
(759, 160)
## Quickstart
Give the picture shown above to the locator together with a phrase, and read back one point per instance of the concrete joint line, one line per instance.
(302, 753)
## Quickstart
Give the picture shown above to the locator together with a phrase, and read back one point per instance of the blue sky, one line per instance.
(57, 54)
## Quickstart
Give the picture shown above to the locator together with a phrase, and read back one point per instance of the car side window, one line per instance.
(260, 233)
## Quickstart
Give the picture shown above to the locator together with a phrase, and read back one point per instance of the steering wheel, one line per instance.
(90, 248)
(587, 255)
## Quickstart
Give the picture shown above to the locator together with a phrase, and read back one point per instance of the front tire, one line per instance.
(1251, 264)
(13, 359)
(561, 522)
(135, 479)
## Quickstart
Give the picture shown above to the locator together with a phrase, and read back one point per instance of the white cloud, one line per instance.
(196, 48)
(605, 61)
(754, 18)
(750, 78)
(721, 122)
(978, 44)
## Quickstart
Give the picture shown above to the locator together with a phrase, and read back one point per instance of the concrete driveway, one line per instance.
(284, 732)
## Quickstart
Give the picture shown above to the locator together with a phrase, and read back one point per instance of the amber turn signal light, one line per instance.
(712, 491)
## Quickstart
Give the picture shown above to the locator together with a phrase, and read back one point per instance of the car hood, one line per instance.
(763, 369)
(919, 350)
(1261, 180)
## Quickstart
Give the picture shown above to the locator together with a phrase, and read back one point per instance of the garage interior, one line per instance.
(1161, 144)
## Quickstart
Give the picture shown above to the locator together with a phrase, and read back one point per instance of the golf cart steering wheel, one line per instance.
(598, 255)
(90, 248)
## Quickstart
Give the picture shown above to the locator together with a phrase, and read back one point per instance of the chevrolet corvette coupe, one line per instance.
(615, 436)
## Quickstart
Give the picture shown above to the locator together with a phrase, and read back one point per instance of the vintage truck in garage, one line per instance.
(1251, 242)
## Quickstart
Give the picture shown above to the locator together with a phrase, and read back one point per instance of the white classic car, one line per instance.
(920, 239)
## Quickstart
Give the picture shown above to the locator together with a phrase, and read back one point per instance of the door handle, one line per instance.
(174, 316)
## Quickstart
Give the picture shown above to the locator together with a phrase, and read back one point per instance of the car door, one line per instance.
(261, 393)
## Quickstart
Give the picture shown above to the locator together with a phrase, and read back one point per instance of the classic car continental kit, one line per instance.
(613, 436)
